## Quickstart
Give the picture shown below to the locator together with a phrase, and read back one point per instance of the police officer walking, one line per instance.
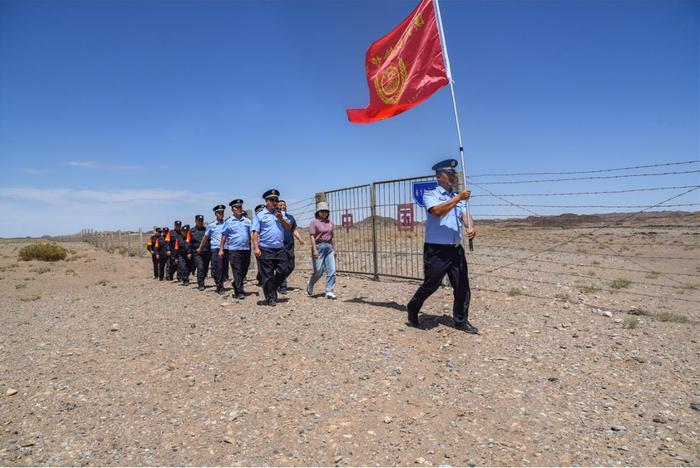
(213, 233)
(201, 259)
(235, 241)
(150, 246)
(185, 256)
(161, 247)
(268, 243)
(289, 235)
(443, 253)
(258, 277)
(177, 241)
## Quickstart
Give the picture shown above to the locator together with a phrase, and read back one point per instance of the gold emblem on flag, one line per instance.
(390, 83)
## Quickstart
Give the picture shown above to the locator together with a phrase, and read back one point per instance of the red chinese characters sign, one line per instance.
(404, 216)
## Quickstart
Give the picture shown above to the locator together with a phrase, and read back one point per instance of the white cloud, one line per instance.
(33, 171)
(108, 167)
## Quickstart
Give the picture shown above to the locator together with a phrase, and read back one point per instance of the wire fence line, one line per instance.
(380, 230)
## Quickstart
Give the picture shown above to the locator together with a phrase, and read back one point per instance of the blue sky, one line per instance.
(115, 115)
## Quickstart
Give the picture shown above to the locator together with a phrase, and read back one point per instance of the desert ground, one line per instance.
(102, 365)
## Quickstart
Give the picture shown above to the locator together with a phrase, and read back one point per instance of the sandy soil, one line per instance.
(113, 368)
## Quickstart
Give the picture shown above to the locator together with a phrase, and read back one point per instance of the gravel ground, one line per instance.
(101, 365)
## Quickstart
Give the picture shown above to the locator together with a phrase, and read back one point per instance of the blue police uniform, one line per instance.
(237, 245)
(274, 266)
(443, 254)
(213, 232)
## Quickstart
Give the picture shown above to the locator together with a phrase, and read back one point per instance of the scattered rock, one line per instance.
(11, 391)
(114, 327)
(618, 428)
(695, 406)
(607, 313)
(387, 419)
(660, 418)
(228, 440)
(337, 459)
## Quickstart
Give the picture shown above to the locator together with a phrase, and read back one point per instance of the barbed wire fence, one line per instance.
(524, 239)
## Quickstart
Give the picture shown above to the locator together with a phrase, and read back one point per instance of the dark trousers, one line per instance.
(201, 263)
(217, 267)
(258, 275)
(289, 250)
(172, 265)
(440, 260)
(183, 274)
(162, 262)
(273, 270)
(155, 265)
(240, 262)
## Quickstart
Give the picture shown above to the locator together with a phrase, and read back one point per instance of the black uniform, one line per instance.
(289, 251)
(177, 243)
(201, 260)
(150, 246)
(161, 248)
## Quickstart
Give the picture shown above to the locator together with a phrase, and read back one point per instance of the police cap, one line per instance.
(219, 208)
(178, 223)
(166, 229)
(199, 218)
(158, 229)
(448, 165)
(259, 208)
(236, 202)
(272, 193)
(186, 227)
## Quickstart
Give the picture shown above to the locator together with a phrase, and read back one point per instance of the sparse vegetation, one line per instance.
(591, 273)
(70, 271)
(44, 251)
(40, 270)
(595, 262)
(620, 283)
(5, 268)
(102, 283)
(32, 298)
(652, 275)
(671, 317)
(20, 286)
(514, 292)
(630, 323)
(589, 289)
(642, 312)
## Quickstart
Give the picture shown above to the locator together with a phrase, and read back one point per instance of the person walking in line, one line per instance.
(443, 253)
(268, 243)
(213, 234)
(203, 257)
(235, 240)
(161, 247)
(322, 250)
(289, 236)
(177, 242)
(258, 277)
(150, 246)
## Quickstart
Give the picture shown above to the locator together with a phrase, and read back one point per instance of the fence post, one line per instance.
(128, 243)
(140, 243)
(373, 212)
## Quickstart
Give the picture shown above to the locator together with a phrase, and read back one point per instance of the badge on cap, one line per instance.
(178, 223)
(272, 193)
(199, 218)
(447, 165)
(236, 202)
(219, 208)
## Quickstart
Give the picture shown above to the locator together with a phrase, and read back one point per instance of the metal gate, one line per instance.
(379, 227)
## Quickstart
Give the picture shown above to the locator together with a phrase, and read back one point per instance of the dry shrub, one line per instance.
(44, 251)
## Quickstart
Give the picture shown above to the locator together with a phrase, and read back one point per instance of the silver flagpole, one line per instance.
(443, 43)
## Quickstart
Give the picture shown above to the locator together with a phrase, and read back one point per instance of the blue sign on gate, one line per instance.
(420, 187)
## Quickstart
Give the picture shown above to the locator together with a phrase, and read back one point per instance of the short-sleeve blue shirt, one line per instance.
(237, 232)
(446, 229)
(213, 232)
(269, 229)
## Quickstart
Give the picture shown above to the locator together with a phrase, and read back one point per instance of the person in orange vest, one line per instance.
(150, 246)
(186, 263)
(177, 241)
(161, 247)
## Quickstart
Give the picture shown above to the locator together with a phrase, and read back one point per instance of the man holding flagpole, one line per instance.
(404, 68)
(443, 253)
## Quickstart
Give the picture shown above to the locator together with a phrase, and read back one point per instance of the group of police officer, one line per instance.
(271, 234)
(183, 251)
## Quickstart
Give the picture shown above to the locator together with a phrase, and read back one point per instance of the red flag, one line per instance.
(404, 68)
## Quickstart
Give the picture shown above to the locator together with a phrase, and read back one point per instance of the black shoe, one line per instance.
(219, 290)
(240, 296)
(271, 302)
(201, 288)
(282, 290)
(413, 318)
(185, 283)
(467, 327)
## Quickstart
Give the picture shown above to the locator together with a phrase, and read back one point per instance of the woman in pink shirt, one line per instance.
(322, 248)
